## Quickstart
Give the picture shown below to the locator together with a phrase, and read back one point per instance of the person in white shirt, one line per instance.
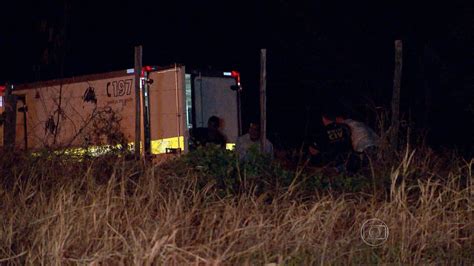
(251, 141)
(365, 143)
(362, 136)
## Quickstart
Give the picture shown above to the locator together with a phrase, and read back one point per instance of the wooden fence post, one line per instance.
(397, 76)
(137, 71)
(263, 100)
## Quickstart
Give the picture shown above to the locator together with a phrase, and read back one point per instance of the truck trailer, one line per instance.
(99, 110)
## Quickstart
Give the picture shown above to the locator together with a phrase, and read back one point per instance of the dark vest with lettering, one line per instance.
(338, 143)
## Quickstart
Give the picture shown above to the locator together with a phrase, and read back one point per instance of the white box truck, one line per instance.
(89, 111)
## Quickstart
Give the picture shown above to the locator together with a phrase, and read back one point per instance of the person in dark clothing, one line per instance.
(202, 136)
(334, 146)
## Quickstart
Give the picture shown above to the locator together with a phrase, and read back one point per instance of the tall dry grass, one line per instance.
(110, 211)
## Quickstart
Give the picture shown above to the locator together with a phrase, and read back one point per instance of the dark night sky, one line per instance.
(317, 51)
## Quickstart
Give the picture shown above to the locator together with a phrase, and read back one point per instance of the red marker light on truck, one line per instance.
(236, 75)
(147, 69)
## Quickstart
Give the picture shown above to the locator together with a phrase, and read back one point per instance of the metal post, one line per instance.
(24, 109)
(239, 114)
(146, 115)
(9, 136)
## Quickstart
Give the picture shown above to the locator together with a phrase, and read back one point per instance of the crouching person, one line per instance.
(249, 144)
(203, 136)
(335, 149)
(365, 143)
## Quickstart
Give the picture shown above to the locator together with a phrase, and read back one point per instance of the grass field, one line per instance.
(207, 209)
